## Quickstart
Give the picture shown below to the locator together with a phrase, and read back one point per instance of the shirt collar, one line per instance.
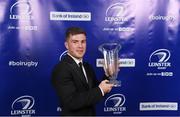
(75, 59)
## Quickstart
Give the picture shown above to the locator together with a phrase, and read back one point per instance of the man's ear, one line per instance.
(66, 45)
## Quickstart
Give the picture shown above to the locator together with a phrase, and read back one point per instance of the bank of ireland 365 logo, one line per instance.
(114, 104)
(23, 106)
(159, 58)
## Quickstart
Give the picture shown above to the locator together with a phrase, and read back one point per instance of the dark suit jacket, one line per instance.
(77, 97)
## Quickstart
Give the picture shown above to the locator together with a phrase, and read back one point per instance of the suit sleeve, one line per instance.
(70, 97)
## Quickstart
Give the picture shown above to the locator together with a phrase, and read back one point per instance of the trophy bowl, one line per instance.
(111, 64)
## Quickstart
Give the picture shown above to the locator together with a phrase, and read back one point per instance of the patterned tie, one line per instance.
(81, 68)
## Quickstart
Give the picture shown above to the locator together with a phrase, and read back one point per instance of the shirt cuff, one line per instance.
(101, 91)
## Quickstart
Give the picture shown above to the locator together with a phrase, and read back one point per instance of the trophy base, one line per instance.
(115, 82)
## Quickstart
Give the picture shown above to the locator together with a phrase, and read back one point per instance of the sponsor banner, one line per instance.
(160, 74)
(122, 62)
(153, 106)
(70, 16)
(26, 28)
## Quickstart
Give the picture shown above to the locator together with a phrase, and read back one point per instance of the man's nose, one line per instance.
(80, 44)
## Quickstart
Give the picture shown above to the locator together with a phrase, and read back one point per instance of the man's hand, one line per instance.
(106, 86)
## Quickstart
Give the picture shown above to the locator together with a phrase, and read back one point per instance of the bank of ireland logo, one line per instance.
(115, 13)
(21, 10)
(114, 104)
(159, 58)
(23, 106)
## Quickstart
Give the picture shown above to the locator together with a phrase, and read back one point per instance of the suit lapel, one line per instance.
(88, 75)
(77, 70)
(81, 76)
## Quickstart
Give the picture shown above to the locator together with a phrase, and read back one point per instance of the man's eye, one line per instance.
(84, 41)
(74, 41)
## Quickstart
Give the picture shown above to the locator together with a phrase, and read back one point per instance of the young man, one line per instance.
(75, 81)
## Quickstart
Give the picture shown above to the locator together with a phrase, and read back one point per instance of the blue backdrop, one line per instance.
(32, 42)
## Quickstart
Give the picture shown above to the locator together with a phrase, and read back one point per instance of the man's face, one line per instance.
(76, 45)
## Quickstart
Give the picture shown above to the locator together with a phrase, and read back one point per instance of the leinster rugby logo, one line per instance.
(23, 106)
(115, 10)
(162, 55)
(21, 10)
(114, 103)
(62, 55)
(115, 13)
(159, 59)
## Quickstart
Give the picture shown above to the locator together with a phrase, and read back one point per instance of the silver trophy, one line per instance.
(111, 64)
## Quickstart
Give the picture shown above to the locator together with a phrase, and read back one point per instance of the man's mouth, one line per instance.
(80, 51)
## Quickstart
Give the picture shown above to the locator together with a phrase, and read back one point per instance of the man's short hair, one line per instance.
(74, 31)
